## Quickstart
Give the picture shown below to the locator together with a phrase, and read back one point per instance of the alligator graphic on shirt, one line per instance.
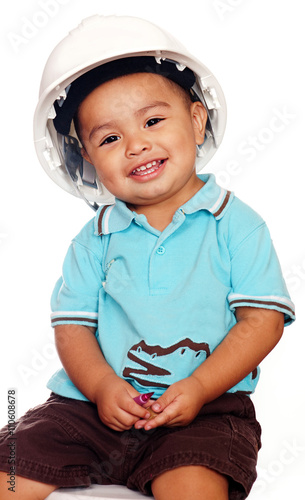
(158, 366)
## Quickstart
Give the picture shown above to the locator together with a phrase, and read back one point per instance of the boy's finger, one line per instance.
(163, 401)
(167, 416)
(138, 411)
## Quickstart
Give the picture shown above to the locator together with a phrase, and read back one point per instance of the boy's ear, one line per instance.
(85, 155)
(200, 116)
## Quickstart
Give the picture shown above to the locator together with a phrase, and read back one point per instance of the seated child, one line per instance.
(173, 288)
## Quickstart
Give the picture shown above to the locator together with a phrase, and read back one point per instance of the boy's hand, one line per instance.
(179, 405)
(115, 404)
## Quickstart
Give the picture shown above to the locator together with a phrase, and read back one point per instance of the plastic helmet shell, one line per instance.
(101, 39)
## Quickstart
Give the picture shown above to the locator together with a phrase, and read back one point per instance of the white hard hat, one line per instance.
(104, 40)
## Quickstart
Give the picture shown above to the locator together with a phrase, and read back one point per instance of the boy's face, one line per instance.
(140, 133)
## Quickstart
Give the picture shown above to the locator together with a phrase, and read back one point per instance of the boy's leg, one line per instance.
(25, 489)
(190, 482)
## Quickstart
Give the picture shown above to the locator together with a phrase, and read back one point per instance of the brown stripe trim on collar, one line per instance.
(223, 206)
(100, 220)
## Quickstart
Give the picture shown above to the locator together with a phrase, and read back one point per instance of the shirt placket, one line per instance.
(161, 258)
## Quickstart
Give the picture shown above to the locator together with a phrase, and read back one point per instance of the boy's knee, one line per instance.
(191, 482)
(23, 489)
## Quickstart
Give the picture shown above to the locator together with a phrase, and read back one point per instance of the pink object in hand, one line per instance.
(143, 398)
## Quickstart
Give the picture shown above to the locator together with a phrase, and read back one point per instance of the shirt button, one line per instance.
(161, 250)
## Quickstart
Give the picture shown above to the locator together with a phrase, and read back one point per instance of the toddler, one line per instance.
(173, 288)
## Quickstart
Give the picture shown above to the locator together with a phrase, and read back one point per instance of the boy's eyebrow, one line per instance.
(110, 124)
(155, 104)
(139, 112)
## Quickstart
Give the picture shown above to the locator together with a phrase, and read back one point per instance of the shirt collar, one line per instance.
(113, 218)
(211, 197)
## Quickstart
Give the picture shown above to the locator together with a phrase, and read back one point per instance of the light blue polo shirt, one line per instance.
(163, 301)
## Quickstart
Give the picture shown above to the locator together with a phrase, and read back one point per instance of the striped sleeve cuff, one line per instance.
(281, 304)
(74, 317)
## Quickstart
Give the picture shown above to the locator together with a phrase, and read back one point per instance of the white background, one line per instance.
(255, 48)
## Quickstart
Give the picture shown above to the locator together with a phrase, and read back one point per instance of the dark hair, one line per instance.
(81, 87)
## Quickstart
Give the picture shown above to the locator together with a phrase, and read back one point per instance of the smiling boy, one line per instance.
(144, 149)
(175, 288)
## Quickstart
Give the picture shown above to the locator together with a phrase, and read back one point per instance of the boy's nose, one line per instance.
(137, 143)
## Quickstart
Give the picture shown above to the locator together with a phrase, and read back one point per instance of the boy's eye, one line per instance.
(153, 121)
(110, 139)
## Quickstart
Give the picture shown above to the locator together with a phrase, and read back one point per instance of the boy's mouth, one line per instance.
(148, 168)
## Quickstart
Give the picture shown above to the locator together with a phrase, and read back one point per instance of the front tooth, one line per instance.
(146, 167)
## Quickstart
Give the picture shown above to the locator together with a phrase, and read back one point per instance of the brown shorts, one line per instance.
(63, 442)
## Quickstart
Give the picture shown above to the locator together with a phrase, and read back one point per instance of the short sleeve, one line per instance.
(256, 276)
(76, 293)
